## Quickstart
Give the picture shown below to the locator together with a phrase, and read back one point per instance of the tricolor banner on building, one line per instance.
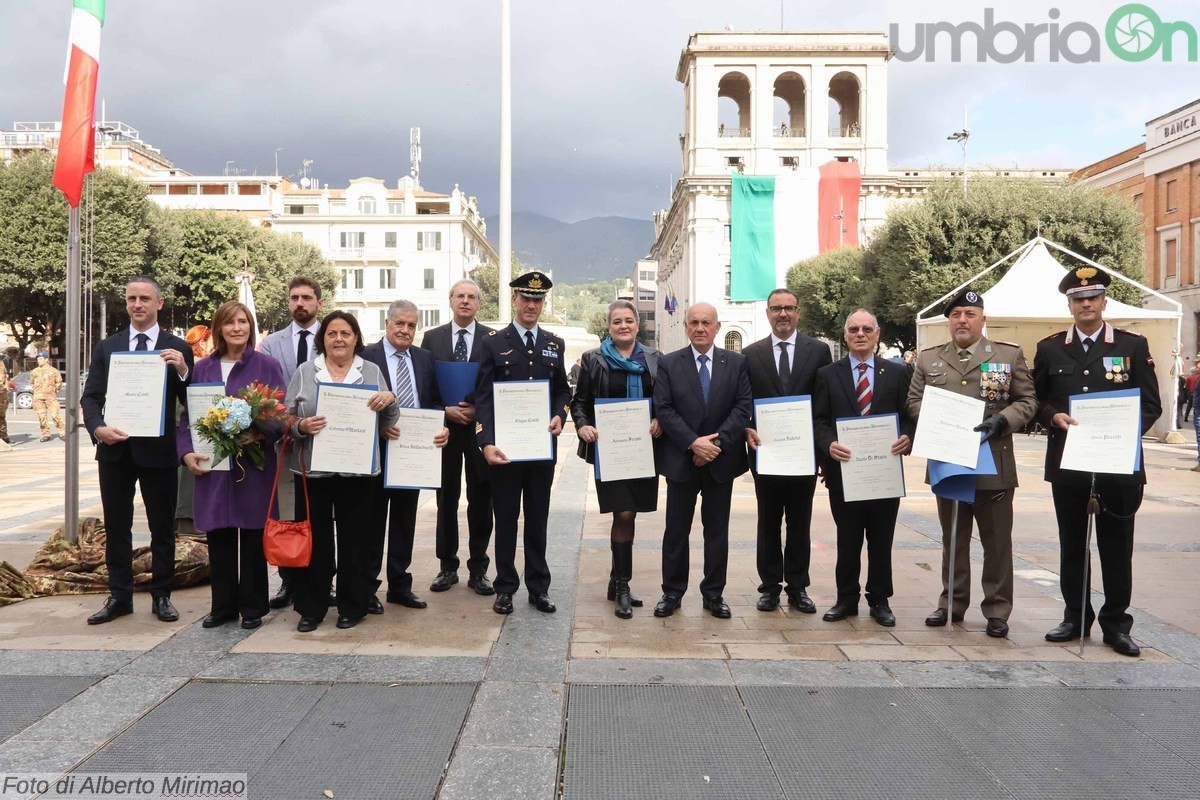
(778, 220)
(77, 142)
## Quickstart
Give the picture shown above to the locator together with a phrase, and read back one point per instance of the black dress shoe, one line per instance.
(406, 599)
(164, 610)
(112, 609)
(502, 603)
(543, 603)
(666, 606)
(217, 620)
(636, 602)
(840, 611)
(938, 618)
(480, 584)
(332, 598)
(1064, 632)
(882, 613)
(802, 603)
(996, 628)
(346, 621)
(767, 602)
(282, 598)
(1121, 643)
(444, 580)
(250, 623)
(717, 607)
(308, 624)
(374, 606)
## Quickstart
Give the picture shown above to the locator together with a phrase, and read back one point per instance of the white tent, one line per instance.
(1026, 306)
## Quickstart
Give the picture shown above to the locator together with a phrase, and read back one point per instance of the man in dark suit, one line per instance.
(703, 403)
(860, 384)
(781, 365)
(409, 374)
(462, 340)
(523, 351)
(1093, 357)
(147, 462)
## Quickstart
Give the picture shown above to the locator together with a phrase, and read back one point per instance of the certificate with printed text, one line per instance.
(347, 442)
(872, 473)
(135, 401)
(522, 411)
(946, 427)
(784, 424)
(1108, 437)
(199, 400)
(624, 446)
(414, 461)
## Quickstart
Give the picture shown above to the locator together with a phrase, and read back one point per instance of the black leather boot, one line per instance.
(622, 568)
(636, 602)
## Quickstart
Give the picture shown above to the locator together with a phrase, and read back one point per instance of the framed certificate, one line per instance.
(135, 401)
(784, 425)
(199, 399)
(946, 427)
(624, 446)
(413, 461)
(522, 411)
(347, 443)
(1108, 438)
(872, 473)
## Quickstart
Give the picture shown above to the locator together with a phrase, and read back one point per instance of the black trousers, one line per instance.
(1114, 541)
(348, 500)
(394, 517)
(875, 520)
(461, 451)
(158, 486)
(781, 498)
(714, 517)
(238, 588)
(526, 483)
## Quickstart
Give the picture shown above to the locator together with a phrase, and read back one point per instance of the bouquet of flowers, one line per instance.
(236, 426)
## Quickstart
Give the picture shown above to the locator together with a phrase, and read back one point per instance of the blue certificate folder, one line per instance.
(601, 400)
(956, 482)
(367, 391)
(455, 380)
(1137, 440)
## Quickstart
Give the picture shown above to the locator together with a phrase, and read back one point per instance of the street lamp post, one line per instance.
(961, 137)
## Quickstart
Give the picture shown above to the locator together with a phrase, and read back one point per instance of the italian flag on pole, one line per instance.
(777, 220)
(77, 143)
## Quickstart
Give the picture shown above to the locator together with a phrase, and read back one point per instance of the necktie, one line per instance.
(302, 348)
(460, 348)
(404, 389)
(1087, 344)
(705, 377)
(529, 340)
(863, 391)
(964, 355)
(143, 342)
(785, 368)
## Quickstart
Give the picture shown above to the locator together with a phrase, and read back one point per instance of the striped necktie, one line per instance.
(404, 388)
(863, 391)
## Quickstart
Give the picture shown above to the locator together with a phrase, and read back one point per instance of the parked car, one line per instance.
(23, 394)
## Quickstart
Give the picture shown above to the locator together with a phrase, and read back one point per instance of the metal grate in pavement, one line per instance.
(1169, 717)
(662, 742)
(24, 699)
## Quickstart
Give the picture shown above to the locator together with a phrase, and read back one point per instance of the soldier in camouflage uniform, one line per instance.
(46, 382)
(4, 387)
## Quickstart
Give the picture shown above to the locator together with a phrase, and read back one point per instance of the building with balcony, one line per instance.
(119, 147)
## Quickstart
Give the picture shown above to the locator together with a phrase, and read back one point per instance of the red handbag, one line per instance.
(287, 543)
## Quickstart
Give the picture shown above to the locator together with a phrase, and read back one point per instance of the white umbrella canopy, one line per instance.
(246, 295)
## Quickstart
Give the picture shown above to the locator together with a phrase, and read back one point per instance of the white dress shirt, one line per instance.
(470, 337)
(312, 340)
(393, 360)
(791, 350)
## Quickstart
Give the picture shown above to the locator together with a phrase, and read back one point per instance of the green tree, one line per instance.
(830, 287)
(488, 278)
(928, 247)
(33, 243)
(598, 324)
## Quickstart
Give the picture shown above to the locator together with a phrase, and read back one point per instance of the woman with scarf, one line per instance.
(620, 368)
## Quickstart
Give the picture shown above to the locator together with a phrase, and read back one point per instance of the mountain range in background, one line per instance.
(600, 248)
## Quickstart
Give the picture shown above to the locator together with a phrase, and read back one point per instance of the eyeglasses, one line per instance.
(777, 309)
(867, 329)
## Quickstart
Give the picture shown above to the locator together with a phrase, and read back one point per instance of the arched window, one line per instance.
(366, 205)
(844, 104)
(733, 105)
(733, 342)
(790, 98)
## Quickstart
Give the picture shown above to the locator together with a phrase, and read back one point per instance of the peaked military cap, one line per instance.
(967, 297)
(532, 284)
(1084, 282)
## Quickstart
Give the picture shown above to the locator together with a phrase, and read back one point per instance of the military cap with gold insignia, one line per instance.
(532, 284)
(1084, 282)
(967, 297)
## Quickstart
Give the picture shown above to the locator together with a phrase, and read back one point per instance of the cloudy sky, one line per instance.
(597, 110)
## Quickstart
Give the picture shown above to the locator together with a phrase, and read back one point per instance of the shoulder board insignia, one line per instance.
(1009, 344)
(1126, 331)
(934, 347)
(1054, 335)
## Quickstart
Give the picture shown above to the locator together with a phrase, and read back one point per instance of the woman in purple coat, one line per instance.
(232, 505)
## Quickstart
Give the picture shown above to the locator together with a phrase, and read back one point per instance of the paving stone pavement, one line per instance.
(457, 702)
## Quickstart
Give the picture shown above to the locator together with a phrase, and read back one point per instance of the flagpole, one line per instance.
(71, 482)
(505, 272)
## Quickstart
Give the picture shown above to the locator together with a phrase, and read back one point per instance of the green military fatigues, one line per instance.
(46, 382)
(3, 401)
